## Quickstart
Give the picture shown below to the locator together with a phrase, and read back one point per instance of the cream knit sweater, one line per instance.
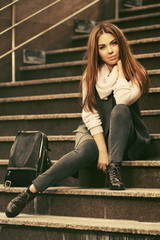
(125, 92)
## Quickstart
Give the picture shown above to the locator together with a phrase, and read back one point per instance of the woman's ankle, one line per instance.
(32, 189)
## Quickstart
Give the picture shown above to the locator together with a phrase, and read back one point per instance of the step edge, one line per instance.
(53, 65)
(155, 136)
(84, 224)
(56, 80)
(62, 116)
(141, 163)
(154, 90)
(153, 71)
(99, 192)
(66, 50)
(84, 48)
(54, 96)
(51, 138)
(61, 137)
(40, 97)
(125, 30)
(140, 28)
(137, 163)
(142, 16)
(150, 112)
(124, 19)
(147, 55)
(144, 40)
(128, 10)
(79, 63)
(40, 116)
(40, 81)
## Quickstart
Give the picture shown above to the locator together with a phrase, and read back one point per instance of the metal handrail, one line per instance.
(14, 25)
(10, 4)
(49, 29)
(29, 17)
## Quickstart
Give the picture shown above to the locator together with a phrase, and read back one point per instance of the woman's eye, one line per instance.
(114, 42)
(101, 47)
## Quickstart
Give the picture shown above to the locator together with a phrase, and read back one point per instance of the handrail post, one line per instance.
(13, 44)
(116, 9)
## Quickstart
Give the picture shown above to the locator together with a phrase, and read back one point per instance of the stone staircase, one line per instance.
(47, 99)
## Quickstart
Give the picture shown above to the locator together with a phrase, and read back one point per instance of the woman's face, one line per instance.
(108, 49)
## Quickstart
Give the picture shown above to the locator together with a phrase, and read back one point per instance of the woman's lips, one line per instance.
(112, 58)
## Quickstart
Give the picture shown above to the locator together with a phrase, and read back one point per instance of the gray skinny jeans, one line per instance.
(121, 136)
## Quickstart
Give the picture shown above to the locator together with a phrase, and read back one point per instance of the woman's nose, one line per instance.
(110, 49)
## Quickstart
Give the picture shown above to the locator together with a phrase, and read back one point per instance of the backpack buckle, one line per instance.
(7, 183)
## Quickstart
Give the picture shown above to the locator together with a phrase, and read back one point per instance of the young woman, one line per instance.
(112, 128)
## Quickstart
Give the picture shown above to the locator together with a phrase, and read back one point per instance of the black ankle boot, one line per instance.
(114, 178)
(17, 204)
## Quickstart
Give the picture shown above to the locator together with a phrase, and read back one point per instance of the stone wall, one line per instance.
(60, 37)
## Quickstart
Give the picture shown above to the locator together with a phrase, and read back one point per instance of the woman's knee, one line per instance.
(120, 113)
(88, 149)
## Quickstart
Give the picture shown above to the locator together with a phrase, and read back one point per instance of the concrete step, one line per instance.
(51, 124)
(149, 2)
(55, 85)
(63, 124)
(62, 227)
(64, 55)
(74, 68)
(145, 45)
(146, 31)
(135, 174)
(149, 45)
(40, 87)
(59, 144)
(137, 21)
(52, 70)
(102, 202)
(151, 100)
(43, 104)
(151, 119)
(149, 60)
(135, 11)
(154, 76)
(132, 33)
(141, 174)
(61, 103)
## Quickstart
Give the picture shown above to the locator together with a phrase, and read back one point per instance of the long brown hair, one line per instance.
(131, 67)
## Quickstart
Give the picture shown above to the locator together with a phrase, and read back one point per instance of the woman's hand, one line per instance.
(102, 149)
(120, 69)
(102, 160)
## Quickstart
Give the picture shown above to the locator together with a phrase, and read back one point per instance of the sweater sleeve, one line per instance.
(126, 92)
(91, 119)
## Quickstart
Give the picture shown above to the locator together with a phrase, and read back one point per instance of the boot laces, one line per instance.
(21, 200)
(115, 174)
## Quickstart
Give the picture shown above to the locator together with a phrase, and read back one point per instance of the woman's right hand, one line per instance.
(102, 160)
(102, 149)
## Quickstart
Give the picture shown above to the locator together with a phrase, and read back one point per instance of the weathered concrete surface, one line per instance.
(91, 224)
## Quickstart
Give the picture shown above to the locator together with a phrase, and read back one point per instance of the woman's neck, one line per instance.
(110, 67)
